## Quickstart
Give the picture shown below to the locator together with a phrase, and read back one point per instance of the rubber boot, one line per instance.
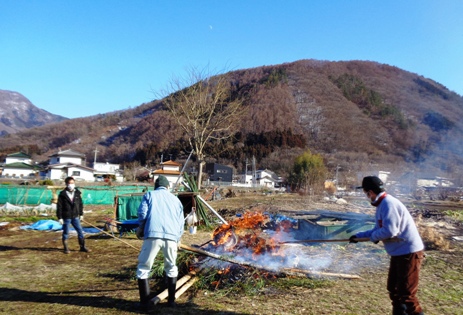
(144, 290)
(66, 248)
(171, 288)
(400, 309)
(82, 245)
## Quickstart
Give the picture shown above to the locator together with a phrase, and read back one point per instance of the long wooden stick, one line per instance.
(111, 235)
(320, 273)
(288, 270)
(223, 258)
(361, 239)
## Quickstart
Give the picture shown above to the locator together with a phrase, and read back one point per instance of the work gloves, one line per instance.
(81, 217)
(352, 239)
(140, 232)
(61, 221)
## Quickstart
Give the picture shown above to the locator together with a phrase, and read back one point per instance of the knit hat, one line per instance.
(372, 183)
(161, 181)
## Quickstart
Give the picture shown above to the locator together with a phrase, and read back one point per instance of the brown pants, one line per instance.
(402, 281)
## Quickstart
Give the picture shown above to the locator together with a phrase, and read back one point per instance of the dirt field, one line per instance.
(37, 278)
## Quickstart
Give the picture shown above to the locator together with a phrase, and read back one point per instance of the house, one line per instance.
(68, 156)
(69, 163)
(171, 170)
(106, 171)
(267, 178)
(219, 172)
(20, 157)
(19, 165)
(262, 178)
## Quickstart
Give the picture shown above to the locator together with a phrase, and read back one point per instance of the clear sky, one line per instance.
(78, 58)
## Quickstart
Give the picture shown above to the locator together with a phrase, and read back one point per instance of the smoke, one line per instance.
(266, 249)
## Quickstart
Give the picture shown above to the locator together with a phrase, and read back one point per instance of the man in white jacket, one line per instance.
(161, 224)
(394, 226)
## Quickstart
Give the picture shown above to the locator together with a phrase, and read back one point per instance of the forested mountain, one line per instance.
(361, 116)
(18, 113)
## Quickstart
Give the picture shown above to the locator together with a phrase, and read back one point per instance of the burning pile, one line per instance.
(245, 236)
(251, 248)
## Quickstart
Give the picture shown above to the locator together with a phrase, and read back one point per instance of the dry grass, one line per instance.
(37, 278)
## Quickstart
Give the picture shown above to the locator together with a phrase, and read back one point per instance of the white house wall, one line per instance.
(56, 174)
(66, 159)
(17, 172)
(106, 167)
(170, 168)
(82, 174)
(9, 160)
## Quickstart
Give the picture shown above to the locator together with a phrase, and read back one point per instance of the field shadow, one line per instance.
(40, 249)
(103, 302)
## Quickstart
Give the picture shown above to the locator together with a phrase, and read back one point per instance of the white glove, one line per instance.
(81, 217)
(61, 221)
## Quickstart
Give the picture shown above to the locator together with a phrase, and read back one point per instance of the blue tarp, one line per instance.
(52, 225)
(43, 225)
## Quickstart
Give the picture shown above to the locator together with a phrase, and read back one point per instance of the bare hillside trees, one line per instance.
(205, 107)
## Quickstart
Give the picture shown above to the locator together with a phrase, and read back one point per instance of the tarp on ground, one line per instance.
(52, 225)
(91, 195)
(43, 225)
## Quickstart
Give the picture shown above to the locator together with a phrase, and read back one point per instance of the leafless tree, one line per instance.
(205, 107)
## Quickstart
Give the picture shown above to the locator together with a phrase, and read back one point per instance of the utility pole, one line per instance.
(254, 173)
(94, 159)
(246, 171)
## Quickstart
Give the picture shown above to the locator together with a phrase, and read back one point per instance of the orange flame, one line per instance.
(247, 233)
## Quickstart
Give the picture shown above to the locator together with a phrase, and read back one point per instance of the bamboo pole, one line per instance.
(361, 239)
(185, 287)
(212, 209)
(161, 296)
(111, 235)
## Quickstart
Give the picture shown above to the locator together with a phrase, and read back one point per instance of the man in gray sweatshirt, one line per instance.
(394, 226)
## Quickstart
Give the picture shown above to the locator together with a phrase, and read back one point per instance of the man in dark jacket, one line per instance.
(70, 210)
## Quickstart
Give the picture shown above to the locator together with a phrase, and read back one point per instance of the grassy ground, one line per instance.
(37, 278)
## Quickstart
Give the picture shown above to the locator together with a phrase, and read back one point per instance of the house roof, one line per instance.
(166, 172)
(68, 165)
(19, 155)
(70, 153)
(20, 165)
(170, 162)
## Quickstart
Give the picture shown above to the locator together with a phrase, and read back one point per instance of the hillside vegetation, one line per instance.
(361, 116)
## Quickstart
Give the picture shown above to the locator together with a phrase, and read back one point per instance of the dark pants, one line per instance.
(76, 224)
(402, 282)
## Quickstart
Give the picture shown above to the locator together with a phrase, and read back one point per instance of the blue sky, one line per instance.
(85, 57)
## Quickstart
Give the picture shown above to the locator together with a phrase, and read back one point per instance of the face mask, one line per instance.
(71, 187)
(368, 196)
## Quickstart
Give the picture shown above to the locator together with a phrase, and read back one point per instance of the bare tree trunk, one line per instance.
(200, 173)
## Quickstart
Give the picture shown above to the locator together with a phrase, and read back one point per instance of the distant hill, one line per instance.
(18, 113)
(360, 115)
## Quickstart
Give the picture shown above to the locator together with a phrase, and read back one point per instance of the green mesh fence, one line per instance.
(91, 195)
(25, 195)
